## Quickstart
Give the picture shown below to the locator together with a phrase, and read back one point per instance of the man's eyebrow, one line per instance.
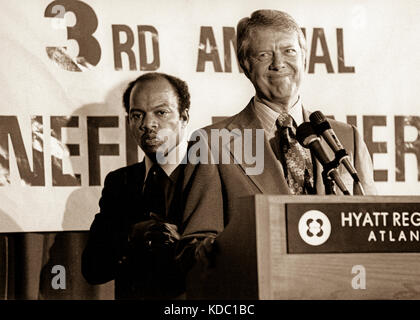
(287, 44)
(164, 104)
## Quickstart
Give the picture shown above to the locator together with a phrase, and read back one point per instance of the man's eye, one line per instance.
(291, 51)
(264, 55)
(136, 116)
(162, 112)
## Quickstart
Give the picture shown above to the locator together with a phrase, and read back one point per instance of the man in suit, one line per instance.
(132, 238)
(271, 50)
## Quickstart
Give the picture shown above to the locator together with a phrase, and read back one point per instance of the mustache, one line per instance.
(148, 133)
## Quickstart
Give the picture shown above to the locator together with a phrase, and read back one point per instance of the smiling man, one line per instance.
(274, 63)
(133, 237)
(271, 50)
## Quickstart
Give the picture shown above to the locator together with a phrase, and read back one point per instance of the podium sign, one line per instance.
(338, 247)
(353, 227)
(315, 247)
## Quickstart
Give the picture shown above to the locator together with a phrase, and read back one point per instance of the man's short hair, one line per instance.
(264, 19)
(180, 87)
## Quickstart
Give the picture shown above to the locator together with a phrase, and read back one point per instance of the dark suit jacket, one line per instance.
(212, 191)
(138, 273)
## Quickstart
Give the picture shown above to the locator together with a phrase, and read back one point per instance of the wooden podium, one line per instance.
(315, 247)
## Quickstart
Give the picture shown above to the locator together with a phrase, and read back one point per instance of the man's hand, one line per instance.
(205, 252)
(161, 234)
(154, 233)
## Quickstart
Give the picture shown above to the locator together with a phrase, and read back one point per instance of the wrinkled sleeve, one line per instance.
(203, 206)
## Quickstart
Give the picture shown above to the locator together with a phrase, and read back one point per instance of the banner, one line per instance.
(65, 64)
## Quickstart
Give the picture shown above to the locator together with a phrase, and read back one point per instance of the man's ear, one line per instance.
(185, 116)
(245, 67)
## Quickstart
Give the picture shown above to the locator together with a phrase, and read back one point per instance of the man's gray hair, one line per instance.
(264, 19)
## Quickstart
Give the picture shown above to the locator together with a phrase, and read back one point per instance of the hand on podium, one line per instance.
(205, 251)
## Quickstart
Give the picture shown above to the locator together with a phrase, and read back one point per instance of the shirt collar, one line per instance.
(297, 112)
(173, 158)
(268, 116)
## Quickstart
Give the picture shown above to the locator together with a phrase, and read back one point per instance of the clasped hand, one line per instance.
(154, 232)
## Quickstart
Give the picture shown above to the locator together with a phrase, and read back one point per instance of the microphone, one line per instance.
(323, 128)
(307, 137)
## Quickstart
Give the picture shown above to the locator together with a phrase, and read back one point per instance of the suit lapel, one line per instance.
(134, 182)
(271, 180)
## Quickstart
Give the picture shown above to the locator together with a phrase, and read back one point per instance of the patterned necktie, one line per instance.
(297, 159)
(155, 191)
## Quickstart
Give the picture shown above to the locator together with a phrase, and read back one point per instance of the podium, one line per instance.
(315, 247)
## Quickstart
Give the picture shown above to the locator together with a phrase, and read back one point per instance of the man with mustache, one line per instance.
(271, 50)
(133, 237)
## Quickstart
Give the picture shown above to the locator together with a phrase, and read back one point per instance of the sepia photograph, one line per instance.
(181, 151)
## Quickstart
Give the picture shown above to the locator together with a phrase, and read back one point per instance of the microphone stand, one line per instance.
(330, 168)
(328, 183)
(339, 156)
(322, 128)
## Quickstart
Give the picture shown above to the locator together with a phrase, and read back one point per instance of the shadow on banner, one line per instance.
(27, 259)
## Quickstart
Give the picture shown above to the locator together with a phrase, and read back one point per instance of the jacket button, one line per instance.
(122, 260)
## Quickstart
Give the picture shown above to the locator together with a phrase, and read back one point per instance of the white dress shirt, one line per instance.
(268, 116)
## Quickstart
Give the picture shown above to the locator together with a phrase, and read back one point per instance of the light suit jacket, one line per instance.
(212, 191)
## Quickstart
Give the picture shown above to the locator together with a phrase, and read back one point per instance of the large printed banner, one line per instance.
(65, 64)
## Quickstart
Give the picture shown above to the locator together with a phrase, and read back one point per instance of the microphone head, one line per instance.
(305, 134)
(319, 122)
(317, 117)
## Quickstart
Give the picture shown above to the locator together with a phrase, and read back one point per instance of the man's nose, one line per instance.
(278, 62)
(149, 122)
